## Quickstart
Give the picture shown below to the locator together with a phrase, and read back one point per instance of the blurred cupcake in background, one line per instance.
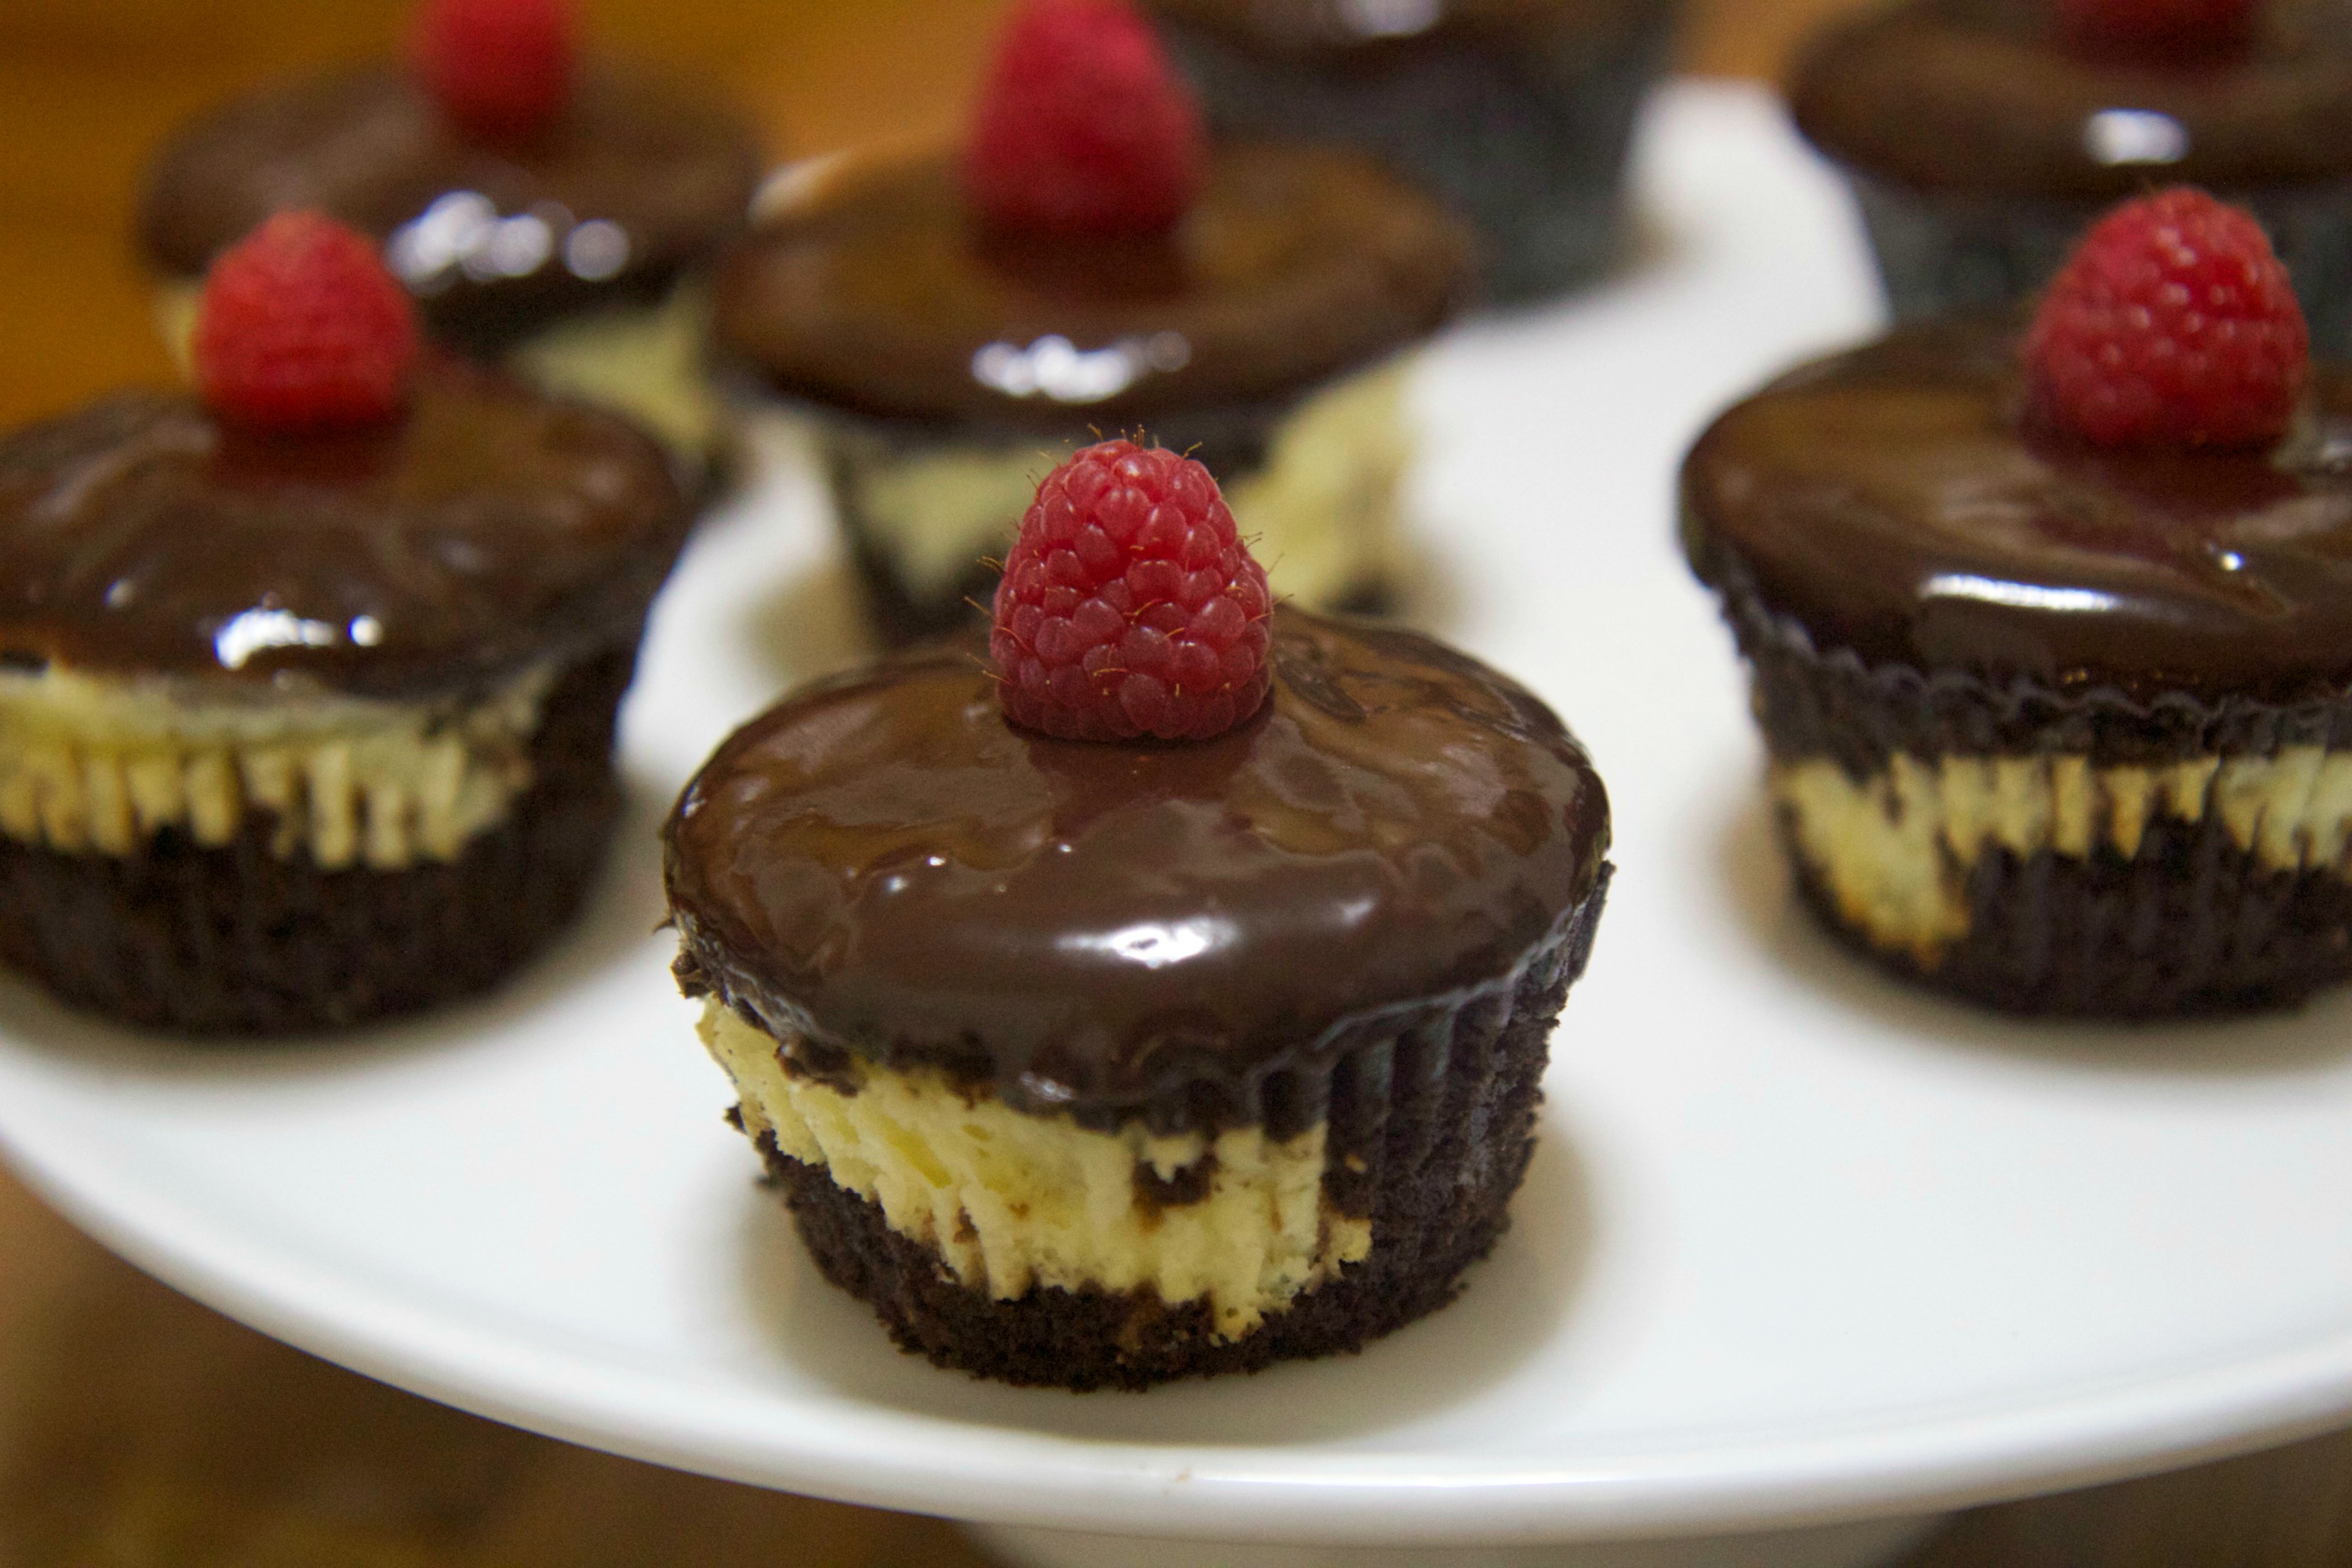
(1982, 137)
(547, 209)
(1090, 264)
(1518, 113)
(308, 680)
(2051, 631)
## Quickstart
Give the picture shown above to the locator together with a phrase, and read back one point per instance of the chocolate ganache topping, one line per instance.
(1979, 95)
(876, 292)
(485, 529)
(636, 180)
(1894, 502)
(884, 863)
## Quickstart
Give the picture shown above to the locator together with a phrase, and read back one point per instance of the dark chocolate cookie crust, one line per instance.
(239, 941)
(1431, 1131)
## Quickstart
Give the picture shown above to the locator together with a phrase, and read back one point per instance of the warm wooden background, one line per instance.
(139, 1430)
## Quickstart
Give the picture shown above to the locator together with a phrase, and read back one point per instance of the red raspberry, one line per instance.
(1129, 606)
(1082, 127)
(500, 68)
(2171, 325)
(2156, 29)
(302, 327)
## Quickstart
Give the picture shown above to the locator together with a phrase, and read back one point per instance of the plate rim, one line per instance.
(900, 1460)
(2001, 1449)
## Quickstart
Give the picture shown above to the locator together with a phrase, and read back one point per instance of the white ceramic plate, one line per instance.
(1800, 1244)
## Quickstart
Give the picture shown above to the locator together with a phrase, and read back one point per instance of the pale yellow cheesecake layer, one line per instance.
(1011, 1201)
(645, 362)
(1895, 849)
(1322, 515)
(96, 762)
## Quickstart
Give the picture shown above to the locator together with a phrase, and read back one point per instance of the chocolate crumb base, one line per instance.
(236, 940)
(1431, 1133)
(2190, 924)
(1090, 1338)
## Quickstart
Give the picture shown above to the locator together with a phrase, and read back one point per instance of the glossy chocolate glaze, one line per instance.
(1894, 502)
(486, 528)
(885, 863)
(1337, 28)
(1979, 95)
(876, 292)
(674, 171)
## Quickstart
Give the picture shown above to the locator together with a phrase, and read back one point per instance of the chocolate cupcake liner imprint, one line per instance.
(2061, 853)
(1940, 252)
(1524, 132)
(1392, 1164)
(269, 921)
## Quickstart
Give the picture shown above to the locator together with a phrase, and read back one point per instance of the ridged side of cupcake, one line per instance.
(2056, 852)
(1036, 1250)
(2057, 729)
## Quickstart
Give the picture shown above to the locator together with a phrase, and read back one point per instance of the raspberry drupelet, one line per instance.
(1129, 606)
(301, 327)
(2172, 325)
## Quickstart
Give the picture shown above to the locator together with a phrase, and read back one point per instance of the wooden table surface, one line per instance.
(139, 1430)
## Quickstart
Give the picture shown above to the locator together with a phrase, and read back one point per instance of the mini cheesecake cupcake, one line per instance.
(1163, 989)
(306, 686)
(2052, 638)
(1089, 267)
(552, 214)
(1984, 136)
(1518, 113)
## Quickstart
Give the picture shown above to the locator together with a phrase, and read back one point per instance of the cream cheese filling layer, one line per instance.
(1321, 514)
(1895, 850)
(645, 362)
(96, 762)
(1011, 1201)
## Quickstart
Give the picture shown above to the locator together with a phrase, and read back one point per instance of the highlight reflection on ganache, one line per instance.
(1894, 500)
(484, 529)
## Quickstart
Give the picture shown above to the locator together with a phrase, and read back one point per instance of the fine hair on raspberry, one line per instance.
(1083, 126)
(2173, 324)
(302, 327)
(1129, 607)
